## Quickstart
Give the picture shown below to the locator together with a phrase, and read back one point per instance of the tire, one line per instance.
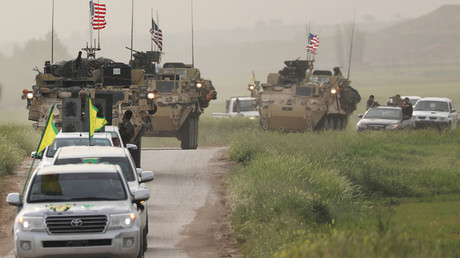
(185, 134)
(141, 246)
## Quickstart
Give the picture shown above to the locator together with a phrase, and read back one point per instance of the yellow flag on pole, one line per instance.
(95, 123)
(49, 133)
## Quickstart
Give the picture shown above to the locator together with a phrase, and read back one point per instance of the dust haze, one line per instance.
(232, 38)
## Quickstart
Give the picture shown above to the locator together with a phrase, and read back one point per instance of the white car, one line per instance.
(84, 210)
(435, 112)
(114, 156)
(72, 139)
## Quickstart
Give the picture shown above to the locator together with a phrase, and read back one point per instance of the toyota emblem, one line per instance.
(76, 223)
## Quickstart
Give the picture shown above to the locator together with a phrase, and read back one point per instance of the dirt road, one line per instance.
(188, 216)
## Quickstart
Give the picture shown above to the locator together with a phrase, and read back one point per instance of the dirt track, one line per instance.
(188, 216)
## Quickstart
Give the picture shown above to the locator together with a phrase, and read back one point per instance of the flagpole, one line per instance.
(151, 40)
(98, 38)
(52, 34)
(158, 24)
(351, 44)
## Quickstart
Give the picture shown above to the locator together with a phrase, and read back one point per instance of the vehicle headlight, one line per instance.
(393, 126)
(333, 91)
(199, 85)
(30, 95)
(151, 95)
(31, 223)
(125, 220)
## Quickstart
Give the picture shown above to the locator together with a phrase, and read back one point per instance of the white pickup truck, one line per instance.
(436, 112)
(239, 107)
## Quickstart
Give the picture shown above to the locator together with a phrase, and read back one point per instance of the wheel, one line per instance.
(331, 123)
(141, 245)
(185, 134)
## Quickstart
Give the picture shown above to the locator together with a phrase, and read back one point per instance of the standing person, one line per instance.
(370, 102)
(406, 107)
(126, 127)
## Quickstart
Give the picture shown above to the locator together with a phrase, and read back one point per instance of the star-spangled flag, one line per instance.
(157, 35)
(313, 43)
(98, 12)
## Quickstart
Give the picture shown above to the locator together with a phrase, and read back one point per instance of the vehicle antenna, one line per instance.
(351, 44)
(132, 26)
(52, 34)
(193, 54)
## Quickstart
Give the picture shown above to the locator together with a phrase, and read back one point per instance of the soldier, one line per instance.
(126, 127)
(337, 71)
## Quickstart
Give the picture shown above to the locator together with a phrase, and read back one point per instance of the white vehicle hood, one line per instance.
(430, 113)
(75, 208)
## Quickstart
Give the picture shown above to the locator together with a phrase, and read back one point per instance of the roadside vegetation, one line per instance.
(16, 141)
(346, 194)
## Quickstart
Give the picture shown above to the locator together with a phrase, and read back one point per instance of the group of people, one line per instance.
(394, 101)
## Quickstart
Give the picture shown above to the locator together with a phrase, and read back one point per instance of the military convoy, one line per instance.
(177, 90)
(298, 98)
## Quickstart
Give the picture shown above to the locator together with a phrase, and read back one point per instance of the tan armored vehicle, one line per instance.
(300, 99)
(113, 87)
(181, 96)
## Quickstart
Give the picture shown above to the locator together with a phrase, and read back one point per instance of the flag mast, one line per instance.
(193, 55)
(132, 26)
(151, 40)
(351, 44)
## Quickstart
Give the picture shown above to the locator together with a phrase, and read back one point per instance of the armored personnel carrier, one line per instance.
(113, 87)
(181, 95)
(298, 98)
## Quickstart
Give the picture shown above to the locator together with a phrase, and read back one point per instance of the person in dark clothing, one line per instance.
(406, 107)
(371, 103)
(126, 128)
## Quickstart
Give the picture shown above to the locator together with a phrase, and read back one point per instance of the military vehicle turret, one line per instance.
(113, 87)
(300, 99)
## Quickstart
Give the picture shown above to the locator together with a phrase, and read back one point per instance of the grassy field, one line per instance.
(343, 194)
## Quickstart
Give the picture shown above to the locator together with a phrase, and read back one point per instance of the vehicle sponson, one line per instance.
(181, 96)
(296, 100)
(85, 218)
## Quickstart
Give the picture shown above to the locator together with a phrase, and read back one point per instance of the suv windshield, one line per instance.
(76, 187)
(432, 106)
(123, 162)
(62, 142)
(395, 114)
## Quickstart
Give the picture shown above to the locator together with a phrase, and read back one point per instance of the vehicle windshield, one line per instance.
(164, 86)
(319, 79)
(181, 72)
(62, 142)
(383, 113)
(432, 106)
(245, 105)
(303, 91)
(67, 187)
(123, 162)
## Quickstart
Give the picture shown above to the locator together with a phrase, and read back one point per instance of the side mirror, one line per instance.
(33, 153)
(131, 146)
(147, 176)
(141, 195)
(406, 117)
(14, 199)
(360, 115)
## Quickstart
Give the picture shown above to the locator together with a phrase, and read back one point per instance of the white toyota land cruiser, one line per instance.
(78, 210)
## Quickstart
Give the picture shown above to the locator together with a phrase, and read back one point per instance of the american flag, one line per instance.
(157, 35)
(97, 15)
(313, 43)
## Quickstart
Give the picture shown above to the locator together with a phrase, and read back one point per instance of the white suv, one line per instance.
(437, 112)
(78, 209)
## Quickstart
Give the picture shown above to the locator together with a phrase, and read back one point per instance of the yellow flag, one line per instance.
(95, 123)
(49, 133)
(253, 78)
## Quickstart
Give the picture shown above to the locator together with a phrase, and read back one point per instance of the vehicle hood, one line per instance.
(378, 121)
(429, 113)
(250, 113)
(76, 208)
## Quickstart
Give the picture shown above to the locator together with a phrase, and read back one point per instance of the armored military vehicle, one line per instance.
(298, 98)
(114, 88)
(181, 95)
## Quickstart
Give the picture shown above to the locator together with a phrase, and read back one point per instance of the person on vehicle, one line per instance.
(116, 141)
(406, 107)
(126, 127)
(371, 103)
(337, 71)
(396, 101)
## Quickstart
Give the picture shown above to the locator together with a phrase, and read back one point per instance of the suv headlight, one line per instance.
(31, 223)
(125, 220)
(393, 126)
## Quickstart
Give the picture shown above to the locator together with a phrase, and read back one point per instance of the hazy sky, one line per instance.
(26, 19)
